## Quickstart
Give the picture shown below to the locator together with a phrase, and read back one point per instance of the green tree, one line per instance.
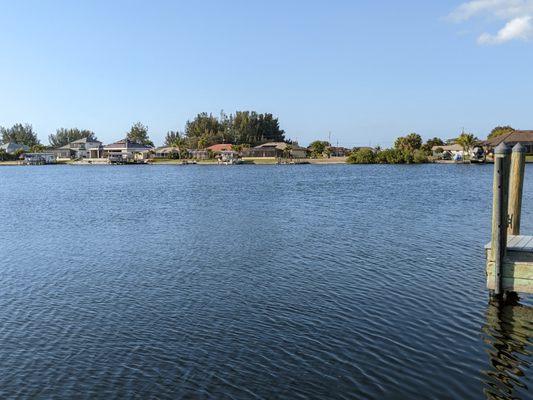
(411, 142)
(408, 156)
(64, 136)
(4, 156)
(500, 130)
(420, 156)
(173, 137)
(392, 156)
(38, 148)
(205, 125)
(362, 156)
(139, 134)
(287, 151)
(268, 129)
(430, 143)
(203, 142)
(244, 127)
(318, 148)
(466, 141)
(21, 134)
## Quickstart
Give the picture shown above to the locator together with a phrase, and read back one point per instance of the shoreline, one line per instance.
(255, 161)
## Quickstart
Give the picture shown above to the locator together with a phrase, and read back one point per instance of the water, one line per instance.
(341, 282)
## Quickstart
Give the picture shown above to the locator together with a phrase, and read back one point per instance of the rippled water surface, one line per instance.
(341, 282)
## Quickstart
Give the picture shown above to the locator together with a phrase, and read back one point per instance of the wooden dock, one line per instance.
(517, 265)
(509, 254)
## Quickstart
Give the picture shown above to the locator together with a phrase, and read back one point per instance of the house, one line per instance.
(277, 150)
(199, 154)
(223, 151)
(81, 148)
(125, 151)
(335, 151)
(63, 152)
(12, 147)
(167, 152)
(525, 138)
(218, 148)
(451, 149)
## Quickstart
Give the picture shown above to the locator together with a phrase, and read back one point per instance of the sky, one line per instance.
(359, 72)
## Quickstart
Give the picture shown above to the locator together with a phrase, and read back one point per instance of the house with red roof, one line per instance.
(219, 148)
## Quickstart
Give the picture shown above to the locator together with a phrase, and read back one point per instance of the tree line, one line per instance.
(408, 149)
(245, 128)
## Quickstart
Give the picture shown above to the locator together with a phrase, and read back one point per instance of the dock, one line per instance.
(509, 255)
(517, 266)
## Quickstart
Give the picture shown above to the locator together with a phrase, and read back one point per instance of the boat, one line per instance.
(477, 155)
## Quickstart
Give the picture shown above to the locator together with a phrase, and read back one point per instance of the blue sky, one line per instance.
(366, 71)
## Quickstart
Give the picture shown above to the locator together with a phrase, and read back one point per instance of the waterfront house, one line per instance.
(223, 151)
(335, 151)
(450, 150)
(81, 148)
(126, 151)
(63, 152)
(201, 154)
(525, 138)
(167, 152)
(12, 147)
(219, 148)
(277, 150)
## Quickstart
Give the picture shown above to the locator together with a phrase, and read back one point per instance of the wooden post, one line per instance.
(516, 184)
(499, 212)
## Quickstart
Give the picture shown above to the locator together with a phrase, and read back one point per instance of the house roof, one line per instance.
(337, 148)
(279, 146)
(84, 140)
(221, 147)
(449, 147)
(167, 149)
(511, 137)
(274, 145)
(126, 144)
(12, 147)
(68, 146)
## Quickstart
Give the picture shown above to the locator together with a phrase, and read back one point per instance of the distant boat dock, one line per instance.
(509, 254)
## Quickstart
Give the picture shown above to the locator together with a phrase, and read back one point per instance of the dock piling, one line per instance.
(516, 184)
(500, 216)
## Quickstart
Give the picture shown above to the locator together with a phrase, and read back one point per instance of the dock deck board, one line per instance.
(517, 268)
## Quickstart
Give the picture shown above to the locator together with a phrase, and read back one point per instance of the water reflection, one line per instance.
(508, 332)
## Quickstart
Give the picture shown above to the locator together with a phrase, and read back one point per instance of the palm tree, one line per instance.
(181, 144)
(466, 141)
(287, 151)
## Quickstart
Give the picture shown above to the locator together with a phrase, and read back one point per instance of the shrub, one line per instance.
(408, 156)
(362, 156)
(420, 157)
(390, 156)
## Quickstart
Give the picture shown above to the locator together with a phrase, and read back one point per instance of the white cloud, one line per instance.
(517, 14)
(517, 28)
